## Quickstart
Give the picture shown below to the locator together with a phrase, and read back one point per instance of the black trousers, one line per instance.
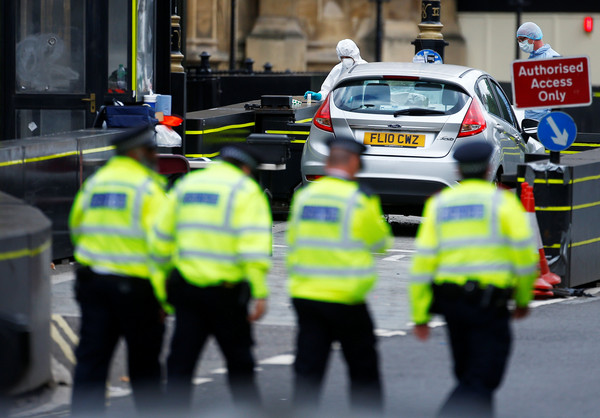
(114, 307)
(319, 325)
(480, 339)
(221, 311)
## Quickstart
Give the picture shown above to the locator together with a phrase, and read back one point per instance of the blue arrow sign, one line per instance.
(557, 131)
(428, 56)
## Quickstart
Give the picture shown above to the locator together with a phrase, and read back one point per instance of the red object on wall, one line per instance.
(588, 24)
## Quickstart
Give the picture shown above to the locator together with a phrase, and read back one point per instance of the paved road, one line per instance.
(553, 372)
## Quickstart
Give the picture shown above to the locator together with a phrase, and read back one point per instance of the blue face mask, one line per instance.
(526, 46)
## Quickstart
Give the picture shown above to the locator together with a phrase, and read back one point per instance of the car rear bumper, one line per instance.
(398, 192)
(401, 183)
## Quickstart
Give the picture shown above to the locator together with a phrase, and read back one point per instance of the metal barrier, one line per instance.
(25, 247)
(47, 172)
(567, 197)
(208, 130)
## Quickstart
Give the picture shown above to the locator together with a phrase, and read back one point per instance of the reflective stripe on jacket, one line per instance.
(333, 229)
(112, 215)
(216, 227)
(473, 232)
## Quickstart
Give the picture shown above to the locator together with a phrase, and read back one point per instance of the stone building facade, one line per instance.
(301, 35)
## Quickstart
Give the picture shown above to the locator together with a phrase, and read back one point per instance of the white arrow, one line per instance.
(560, 138)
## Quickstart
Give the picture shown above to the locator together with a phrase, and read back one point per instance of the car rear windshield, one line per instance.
(397, 97)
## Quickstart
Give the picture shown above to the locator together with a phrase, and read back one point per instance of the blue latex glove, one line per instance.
(313, 95)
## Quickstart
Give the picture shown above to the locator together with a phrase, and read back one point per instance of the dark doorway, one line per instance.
(63, 59)
(53, 61)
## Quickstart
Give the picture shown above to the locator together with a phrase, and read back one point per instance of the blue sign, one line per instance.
(557, 131)
(428, 56)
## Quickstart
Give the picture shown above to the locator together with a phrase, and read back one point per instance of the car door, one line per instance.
(504, 127)
(511, 124)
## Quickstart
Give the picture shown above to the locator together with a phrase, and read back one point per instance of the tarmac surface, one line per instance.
(553, 371)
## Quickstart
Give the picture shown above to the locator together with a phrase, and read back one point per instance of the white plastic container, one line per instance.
(150, 100)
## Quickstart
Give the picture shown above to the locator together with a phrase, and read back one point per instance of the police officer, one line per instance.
(334, 226)
(475, 251)
(110, 219)
(349, 55)
(215, 232)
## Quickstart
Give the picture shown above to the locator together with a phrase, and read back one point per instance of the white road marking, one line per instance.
(200, 380)
(389, 333)
(60, 321)
(283, 360)
(394, 257)
(117, 392)
(62, 344)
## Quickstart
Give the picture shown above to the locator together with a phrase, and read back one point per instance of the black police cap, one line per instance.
(349, 144)
(473, 152)
(140, 136)
(473, 156)
(244, 153)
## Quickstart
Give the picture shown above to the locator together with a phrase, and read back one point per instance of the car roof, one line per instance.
(438, 71)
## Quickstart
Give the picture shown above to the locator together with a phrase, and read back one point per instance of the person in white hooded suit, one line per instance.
(349, 55)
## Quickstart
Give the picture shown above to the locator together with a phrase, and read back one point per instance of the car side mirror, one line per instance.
(529, 128)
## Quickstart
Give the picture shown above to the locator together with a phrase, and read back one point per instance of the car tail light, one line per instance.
(322, 118)
(474, 121)
(313, 177)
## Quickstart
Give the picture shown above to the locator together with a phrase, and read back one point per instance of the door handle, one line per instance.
(92, 100)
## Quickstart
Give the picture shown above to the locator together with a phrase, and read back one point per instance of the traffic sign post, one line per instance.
(551, 83)
(557, 132)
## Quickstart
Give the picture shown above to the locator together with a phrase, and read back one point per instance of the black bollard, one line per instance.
(248, 63)
(204, 63)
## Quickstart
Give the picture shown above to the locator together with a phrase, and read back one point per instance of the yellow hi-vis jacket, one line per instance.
(112, 215)
(215, 228)
(473, 232)
(333, 228)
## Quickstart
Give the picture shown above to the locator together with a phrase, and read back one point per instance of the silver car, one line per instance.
(410, 116)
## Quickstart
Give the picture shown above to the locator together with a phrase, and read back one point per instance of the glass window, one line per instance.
(505, 105)
(40, 122)
(145, 47)
(411, 97)
(484, 92)
(49, 55)
(119, 78)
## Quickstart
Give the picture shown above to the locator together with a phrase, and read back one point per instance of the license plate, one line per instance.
(394, 139)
